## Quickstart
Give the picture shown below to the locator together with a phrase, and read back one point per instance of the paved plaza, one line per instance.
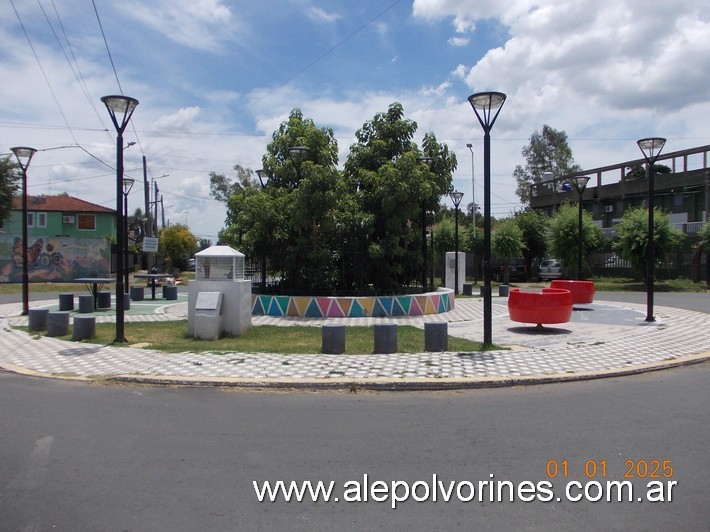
(602, 339)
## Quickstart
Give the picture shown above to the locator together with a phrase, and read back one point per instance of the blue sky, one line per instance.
(215, 78)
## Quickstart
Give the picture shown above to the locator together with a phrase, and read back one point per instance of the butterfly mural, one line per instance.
(32, 252)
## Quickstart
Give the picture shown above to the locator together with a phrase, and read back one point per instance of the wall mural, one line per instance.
(55, 259)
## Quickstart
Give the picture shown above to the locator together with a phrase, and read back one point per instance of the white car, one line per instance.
(550, 269)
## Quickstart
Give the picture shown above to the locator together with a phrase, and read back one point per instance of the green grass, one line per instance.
(172, 337)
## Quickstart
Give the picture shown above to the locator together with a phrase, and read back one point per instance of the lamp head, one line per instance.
(24, 155)
(456, 197)
(580, 183)
(299, 153)
(651, 148)
(263, 177)
(485, 104)
(127, 185)
(120, 108)
(426, 160)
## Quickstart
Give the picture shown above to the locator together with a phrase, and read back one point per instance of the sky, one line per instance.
(215, 78)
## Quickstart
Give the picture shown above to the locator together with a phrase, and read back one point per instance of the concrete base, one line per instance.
(436, 337)
(66, 301)
(236, 304)
(86, 304)
(385, 338)
(58, 323)
(37, 319)
(84, 327)
(170, 293)
(137, 293)
(104, 300)
(333, 339)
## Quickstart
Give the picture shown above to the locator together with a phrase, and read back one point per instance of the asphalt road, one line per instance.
(75, 456)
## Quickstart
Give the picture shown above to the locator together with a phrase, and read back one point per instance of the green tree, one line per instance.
(564, 237)
(9, 185)
(221, 187)
(548, 151)
(393, 187)
(632, 238)
(533, 225)
(638, 171)
(177, 244)
(507, 243)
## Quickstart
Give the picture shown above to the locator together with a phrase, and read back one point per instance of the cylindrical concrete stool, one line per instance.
(104, 299)
(467, 289)
(170, 292)
(333, 339)
(66, 301)
(58, 323)
(37, 319)
(385, 338)
(84, 327)
(86, 304)
(503, 290)
(436, 337)
(137, 293)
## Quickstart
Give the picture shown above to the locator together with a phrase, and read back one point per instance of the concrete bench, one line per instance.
(137, 293)
(385, 338)
(66, 301)
(552, 305)
(582, 291)
(104, 300)
(86, 304)
(332, 339)
(84, 327)
(58, 323)
(436, 337)
(37, 319)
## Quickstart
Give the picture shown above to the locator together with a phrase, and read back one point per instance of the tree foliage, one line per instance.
(533, 225)
(632, 238)
(548, 151)
(10, 179)
(222, 188)
(564, 237)
(177, 244)
(507, 243)
(638, 171)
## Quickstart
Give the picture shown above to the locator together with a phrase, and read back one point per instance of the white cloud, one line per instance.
(320, 15)
(181, 121)
(459, 41)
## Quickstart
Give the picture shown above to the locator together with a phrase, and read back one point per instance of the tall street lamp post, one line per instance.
(263, 179)
(487, 106)
(456, 198)
(120, 108)
(579, 183)
(24, 156)
(651, 149)
(473, 214)
(428, 161)
(127, 186)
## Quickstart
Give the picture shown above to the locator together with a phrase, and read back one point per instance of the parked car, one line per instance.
(190, 265)
(517, 271)
(550, 269)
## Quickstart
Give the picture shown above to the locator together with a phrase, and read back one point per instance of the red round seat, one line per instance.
(582, 291)
(552, 305)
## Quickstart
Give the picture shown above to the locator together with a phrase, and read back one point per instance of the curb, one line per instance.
(380, 385)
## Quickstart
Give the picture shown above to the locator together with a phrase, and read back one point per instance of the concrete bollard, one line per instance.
(467, 289)
(436, 337)
(84, 327)
(86, 304)
(137, 293)
(104, 300)
(58, 323)
(37, 319)
(385, 338)
(66, 301)
(503, 290)
(170, 293)
(333, 339)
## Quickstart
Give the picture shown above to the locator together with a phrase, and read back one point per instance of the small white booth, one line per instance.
(219, 299)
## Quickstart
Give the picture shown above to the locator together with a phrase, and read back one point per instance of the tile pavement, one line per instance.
(602, 339)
